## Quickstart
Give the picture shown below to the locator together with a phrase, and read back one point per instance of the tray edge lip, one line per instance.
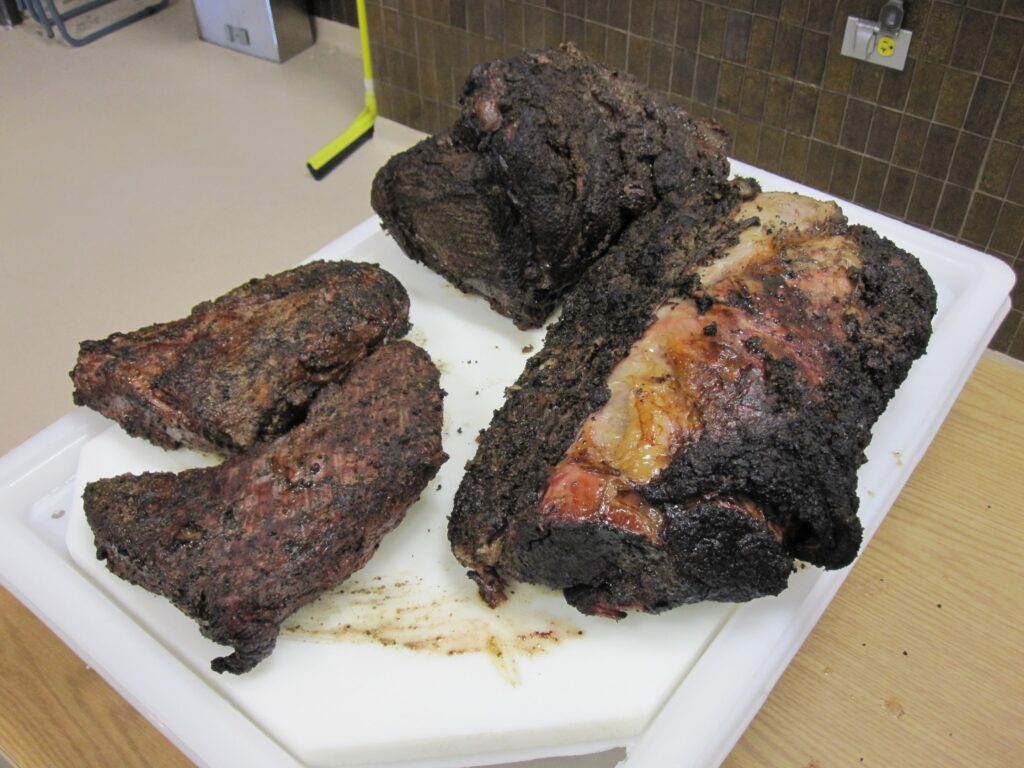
(994, 277)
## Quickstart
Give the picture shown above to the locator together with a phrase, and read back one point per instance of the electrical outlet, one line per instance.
(865, 40)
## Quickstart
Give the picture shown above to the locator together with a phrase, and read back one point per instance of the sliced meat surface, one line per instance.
(244, 367)
(240, 546)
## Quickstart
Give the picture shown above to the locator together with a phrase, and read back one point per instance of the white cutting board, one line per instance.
(460, 679)
(345, 700)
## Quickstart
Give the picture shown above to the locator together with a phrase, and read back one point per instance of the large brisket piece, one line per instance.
(696, 417)
(242, 368)
(240, 546)
(551, 158)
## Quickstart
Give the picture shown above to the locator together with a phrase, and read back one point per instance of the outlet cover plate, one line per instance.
(864, 40)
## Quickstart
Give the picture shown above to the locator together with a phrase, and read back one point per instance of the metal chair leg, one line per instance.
(45, 12)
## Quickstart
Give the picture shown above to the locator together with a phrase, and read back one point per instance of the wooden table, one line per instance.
(918, 661)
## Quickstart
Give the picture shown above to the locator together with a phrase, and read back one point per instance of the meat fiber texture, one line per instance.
(696, 417)
(550, 159)
(240, 546)
(245, 367)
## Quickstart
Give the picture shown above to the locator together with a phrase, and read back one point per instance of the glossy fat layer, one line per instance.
(698, 368)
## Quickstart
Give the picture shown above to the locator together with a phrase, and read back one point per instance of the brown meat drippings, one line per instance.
(407, 613)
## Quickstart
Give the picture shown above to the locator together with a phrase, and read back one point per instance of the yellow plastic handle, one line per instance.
(321, 163)
(364, 42)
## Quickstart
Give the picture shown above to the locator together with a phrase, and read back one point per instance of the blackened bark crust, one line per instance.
(551, 158)
(240, 546)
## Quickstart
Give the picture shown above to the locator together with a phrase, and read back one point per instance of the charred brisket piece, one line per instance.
(240, 546)
(697, 415)
(242, 368)
(551, 158)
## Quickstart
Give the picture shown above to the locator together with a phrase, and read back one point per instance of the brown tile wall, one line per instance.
(336, 10)
(940, 145)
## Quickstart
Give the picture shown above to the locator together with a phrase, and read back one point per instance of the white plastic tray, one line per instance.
(675, 689)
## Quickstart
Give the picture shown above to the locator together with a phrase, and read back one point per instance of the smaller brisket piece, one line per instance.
(240, 546)
(552, 157)
(242, 368)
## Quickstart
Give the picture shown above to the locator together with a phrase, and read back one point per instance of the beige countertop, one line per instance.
(150, 170)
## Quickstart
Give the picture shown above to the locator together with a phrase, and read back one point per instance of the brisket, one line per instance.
(552, 156)
(697, 415)
(240, 546)
(245, 367)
